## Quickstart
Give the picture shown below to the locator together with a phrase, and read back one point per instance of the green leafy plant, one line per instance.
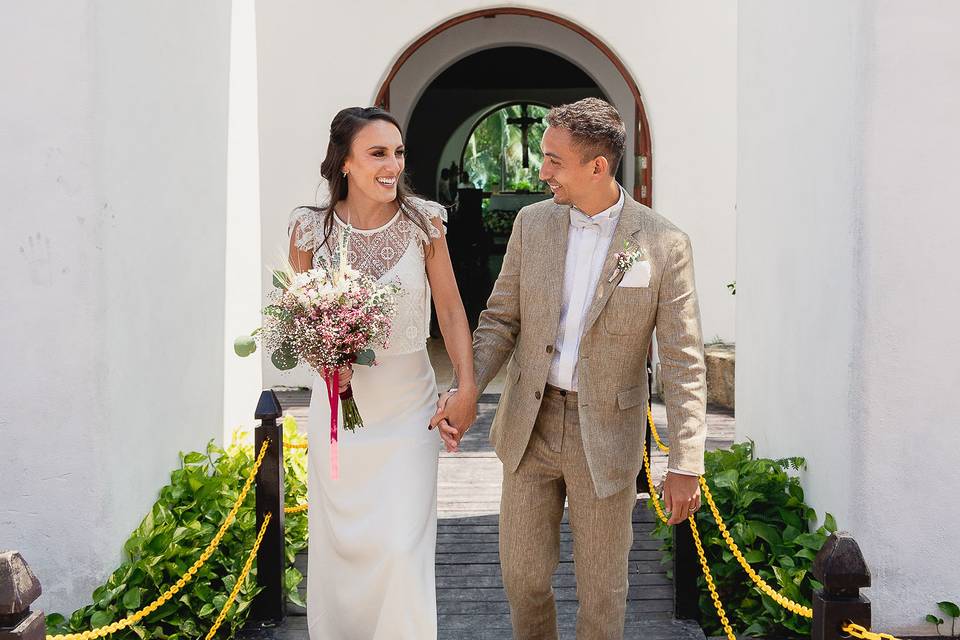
(949, 609)
(499, 220)
(172, 536)
(763, 508)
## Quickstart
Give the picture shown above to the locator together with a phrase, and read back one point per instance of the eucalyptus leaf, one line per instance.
(277, 312)
(366, 358)
(284, 358)
(244, 346)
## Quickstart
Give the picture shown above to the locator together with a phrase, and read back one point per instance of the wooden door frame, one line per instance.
(643, 160)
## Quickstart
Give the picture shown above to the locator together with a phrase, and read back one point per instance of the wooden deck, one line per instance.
(470, 598)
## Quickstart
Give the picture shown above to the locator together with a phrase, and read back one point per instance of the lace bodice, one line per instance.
(393, 252)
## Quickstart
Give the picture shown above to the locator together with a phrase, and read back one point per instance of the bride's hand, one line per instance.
(345, 375)
(449, 435)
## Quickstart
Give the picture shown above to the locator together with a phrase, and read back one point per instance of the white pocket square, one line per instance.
(638, 275)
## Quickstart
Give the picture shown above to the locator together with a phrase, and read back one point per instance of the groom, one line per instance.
(586, 279)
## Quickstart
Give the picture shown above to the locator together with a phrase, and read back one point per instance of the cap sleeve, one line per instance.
(430, 211)
(305, 223)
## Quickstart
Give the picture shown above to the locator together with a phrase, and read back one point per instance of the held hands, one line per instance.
(681, 496)
(456, 413)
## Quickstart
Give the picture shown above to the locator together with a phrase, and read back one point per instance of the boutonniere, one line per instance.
(625, 260)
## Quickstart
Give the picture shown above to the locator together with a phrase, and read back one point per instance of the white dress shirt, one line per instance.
(588, 241)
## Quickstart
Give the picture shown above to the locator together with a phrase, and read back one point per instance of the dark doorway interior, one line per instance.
(458, 97)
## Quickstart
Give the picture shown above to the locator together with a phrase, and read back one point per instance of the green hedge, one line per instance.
(763, 507)
(171, 537)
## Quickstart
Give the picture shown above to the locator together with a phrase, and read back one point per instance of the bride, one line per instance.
(373, 532)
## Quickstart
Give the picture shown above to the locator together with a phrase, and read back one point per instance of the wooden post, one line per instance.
(686, 570)
(840, 567)
(19, 588)
(270, 605)
(643, 486)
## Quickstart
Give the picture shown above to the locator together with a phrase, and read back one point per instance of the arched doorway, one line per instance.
(502, 41)
(491, 103)
(465, 34)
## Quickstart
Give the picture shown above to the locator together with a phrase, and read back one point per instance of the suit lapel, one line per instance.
(628, 225)
(554, 261)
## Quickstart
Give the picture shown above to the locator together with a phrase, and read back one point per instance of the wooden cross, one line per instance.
(524, 123)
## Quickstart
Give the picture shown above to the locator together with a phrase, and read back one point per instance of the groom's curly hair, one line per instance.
(595, 126)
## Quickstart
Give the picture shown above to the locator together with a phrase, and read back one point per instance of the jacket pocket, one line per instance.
(627, 309)
(630, 398)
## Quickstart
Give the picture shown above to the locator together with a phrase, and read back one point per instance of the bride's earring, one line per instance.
(345, 174)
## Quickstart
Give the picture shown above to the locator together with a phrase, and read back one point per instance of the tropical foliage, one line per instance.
(494, 153)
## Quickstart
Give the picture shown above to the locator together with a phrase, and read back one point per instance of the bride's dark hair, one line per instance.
(343, 129)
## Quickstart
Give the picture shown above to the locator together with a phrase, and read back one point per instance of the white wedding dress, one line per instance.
(373, 532)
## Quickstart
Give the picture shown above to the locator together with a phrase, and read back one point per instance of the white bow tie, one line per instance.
(581, 220)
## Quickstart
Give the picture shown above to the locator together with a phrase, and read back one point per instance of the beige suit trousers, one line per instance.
(554, 468)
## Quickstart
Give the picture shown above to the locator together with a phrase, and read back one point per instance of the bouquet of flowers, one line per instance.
(327, 317)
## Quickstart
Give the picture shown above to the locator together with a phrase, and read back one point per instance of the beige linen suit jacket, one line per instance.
(521, 323)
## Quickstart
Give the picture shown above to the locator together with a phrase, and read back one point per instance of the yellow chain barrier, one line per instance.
(696, 539)
(709, 578)
(859, 631)
(297, 509)
(187, 577)
(654, 432)
(240, 580)
(293, 445)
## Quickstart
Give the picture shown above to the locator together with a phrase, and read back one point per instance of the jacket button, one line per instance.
(549, 348)
(536, 395)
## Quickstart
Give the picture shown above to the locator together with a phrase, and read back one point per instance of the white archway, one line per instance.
(452, 44)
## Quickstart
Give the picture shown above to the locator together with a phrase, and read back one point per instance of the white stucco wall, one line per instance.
(244, 263)
(846, 281)
(113, 145)
(682, 55)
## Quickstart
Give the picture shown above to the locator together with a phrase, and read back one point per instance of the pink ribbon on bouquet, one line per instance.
(333, 394)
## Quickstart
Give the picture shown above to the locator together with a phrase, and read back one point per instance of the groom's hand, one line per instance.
(681, 496)
(458, 409)
(461, 410)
